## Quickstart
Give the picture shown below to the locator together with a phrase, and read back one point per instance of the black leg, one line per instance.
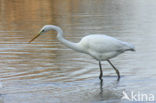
(101, 88)
(101, 73)
(117, 72)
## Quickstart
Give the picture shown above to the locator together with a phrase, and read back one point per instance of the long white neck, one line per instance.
(74, 46)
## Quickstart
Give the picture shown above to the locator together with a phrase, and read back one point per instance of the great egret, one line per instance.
(101, 47)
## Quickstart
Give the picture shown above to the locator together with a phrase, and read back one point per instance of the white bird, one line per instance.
(99, 46)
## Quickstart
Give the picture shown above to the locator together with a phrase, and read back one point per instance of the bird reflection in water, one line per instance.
(108, 92)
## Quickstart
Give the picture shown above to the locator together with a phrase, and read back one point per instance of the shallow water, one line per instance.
(45, 71)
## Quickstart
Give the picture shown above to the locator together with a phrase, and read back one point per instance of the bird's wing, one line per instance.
(102, 43)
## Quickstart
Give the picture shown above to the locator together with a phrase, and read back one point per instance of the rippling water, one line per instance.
(45, 71)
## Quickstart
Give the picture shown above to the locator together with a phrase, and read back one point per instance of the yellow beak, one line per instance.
(35, 37)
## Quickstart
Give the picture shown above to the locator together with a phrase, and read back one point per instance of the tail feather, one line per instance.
(129, 47)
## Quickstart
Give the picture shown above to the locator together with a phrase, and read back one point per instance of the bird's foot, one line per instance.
(118, 78)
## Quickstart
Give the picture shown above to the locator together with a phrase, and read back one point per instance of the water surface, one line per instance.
(45, 71)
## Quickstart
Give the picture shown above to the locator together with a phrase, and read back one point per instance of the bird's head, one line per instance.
(44, 29)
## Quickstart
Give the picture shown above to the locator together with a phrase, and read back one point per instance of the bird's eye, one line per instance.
(43, 30)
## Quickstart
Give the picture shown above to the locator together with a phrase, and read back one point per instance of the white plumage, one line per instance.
(101, 47)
